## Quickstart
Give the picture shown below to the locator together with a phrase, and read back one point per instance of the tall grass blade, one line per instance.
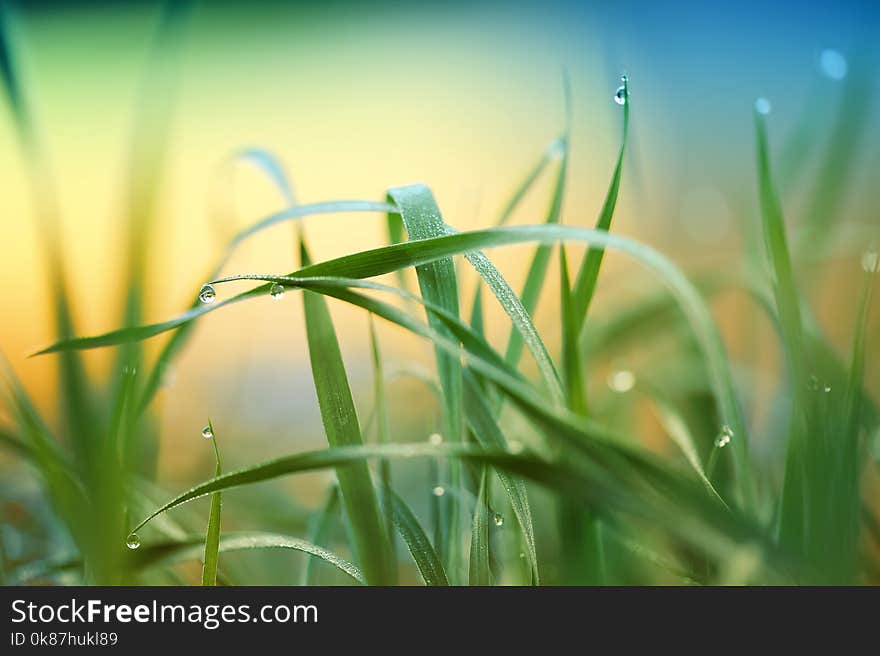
(479, 559)
(212, 537)
(342, 428)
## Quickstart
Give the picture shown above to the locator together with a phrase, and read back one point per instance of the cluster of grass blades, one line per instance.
(621, 512)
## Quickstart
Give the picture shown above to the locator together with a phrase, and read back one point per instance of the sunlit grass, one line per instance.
(621, 511)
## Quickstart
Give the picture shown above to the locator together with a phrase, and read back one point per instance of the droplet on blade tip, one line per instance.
(133, 541)
(207, 433)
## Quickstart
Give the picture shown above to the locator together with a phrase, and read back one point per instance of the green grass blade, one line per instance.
(538, 267)
(390, 258)
(426, 558)
(793, 511)
(384, 434)
(319, 530)
(212, 537)
(479, 560)
(489, 435)
(438, 284)
(588, 274)
(342, 428)
(77, 404)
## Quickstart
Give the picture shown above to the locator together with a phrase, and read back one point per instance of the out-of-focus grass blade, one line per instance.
(538, 268)
(426, 558)
(212, 537)
(588, 274)
(571, 355)
(384, 434)
(319, 530)
(342, 428)
(489, 435)
(677, 429)
(438, 284)
(479, 560)
(191, 549)
(792, 517)
(77, 404)
(836, 169)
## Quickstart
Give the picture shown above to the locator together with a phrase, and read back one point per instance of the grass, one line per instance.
(541, 481)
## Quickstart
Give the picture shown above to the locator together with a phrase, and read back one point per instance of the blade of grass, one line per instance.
(384, 434)
(438, 284)
(390, 258)
(588, 274)
(426, 558)
(212, 537)
(342, 428)
(319, 531)
(479, 560)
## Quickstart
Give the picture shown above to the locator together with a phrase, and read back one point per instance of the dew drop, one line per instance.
(435, 439)
(724, 437)
(207, 433)
(826, 388)
(498, 519)
(763, 106)
(207, 294)
(620, 95)
(622, 381)
(133, 541)
(276, 291)
(833, 64)
(871, 262)
(438, 491)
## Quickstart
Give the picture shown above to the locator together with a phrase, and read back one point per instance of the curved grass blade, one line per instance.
(426, 558)
(212, 537)
(479, 560)
(319, 531)
(390, 258)
(180, 337)
(342, 429)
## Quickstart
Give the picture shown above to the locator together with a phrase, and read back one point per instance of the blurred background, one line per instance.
(464, 96)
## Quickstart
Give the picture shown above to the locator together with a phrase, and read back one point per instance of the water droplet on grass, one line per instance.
(207, 433)
(276, 291)
(833, 64)
(622, 381)
(435, 439)
(620, 95)
(438, 491)
(813, 383)
(724, 437)
(133, 541)
(207, 294)
(763, 106)
(498, 519)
